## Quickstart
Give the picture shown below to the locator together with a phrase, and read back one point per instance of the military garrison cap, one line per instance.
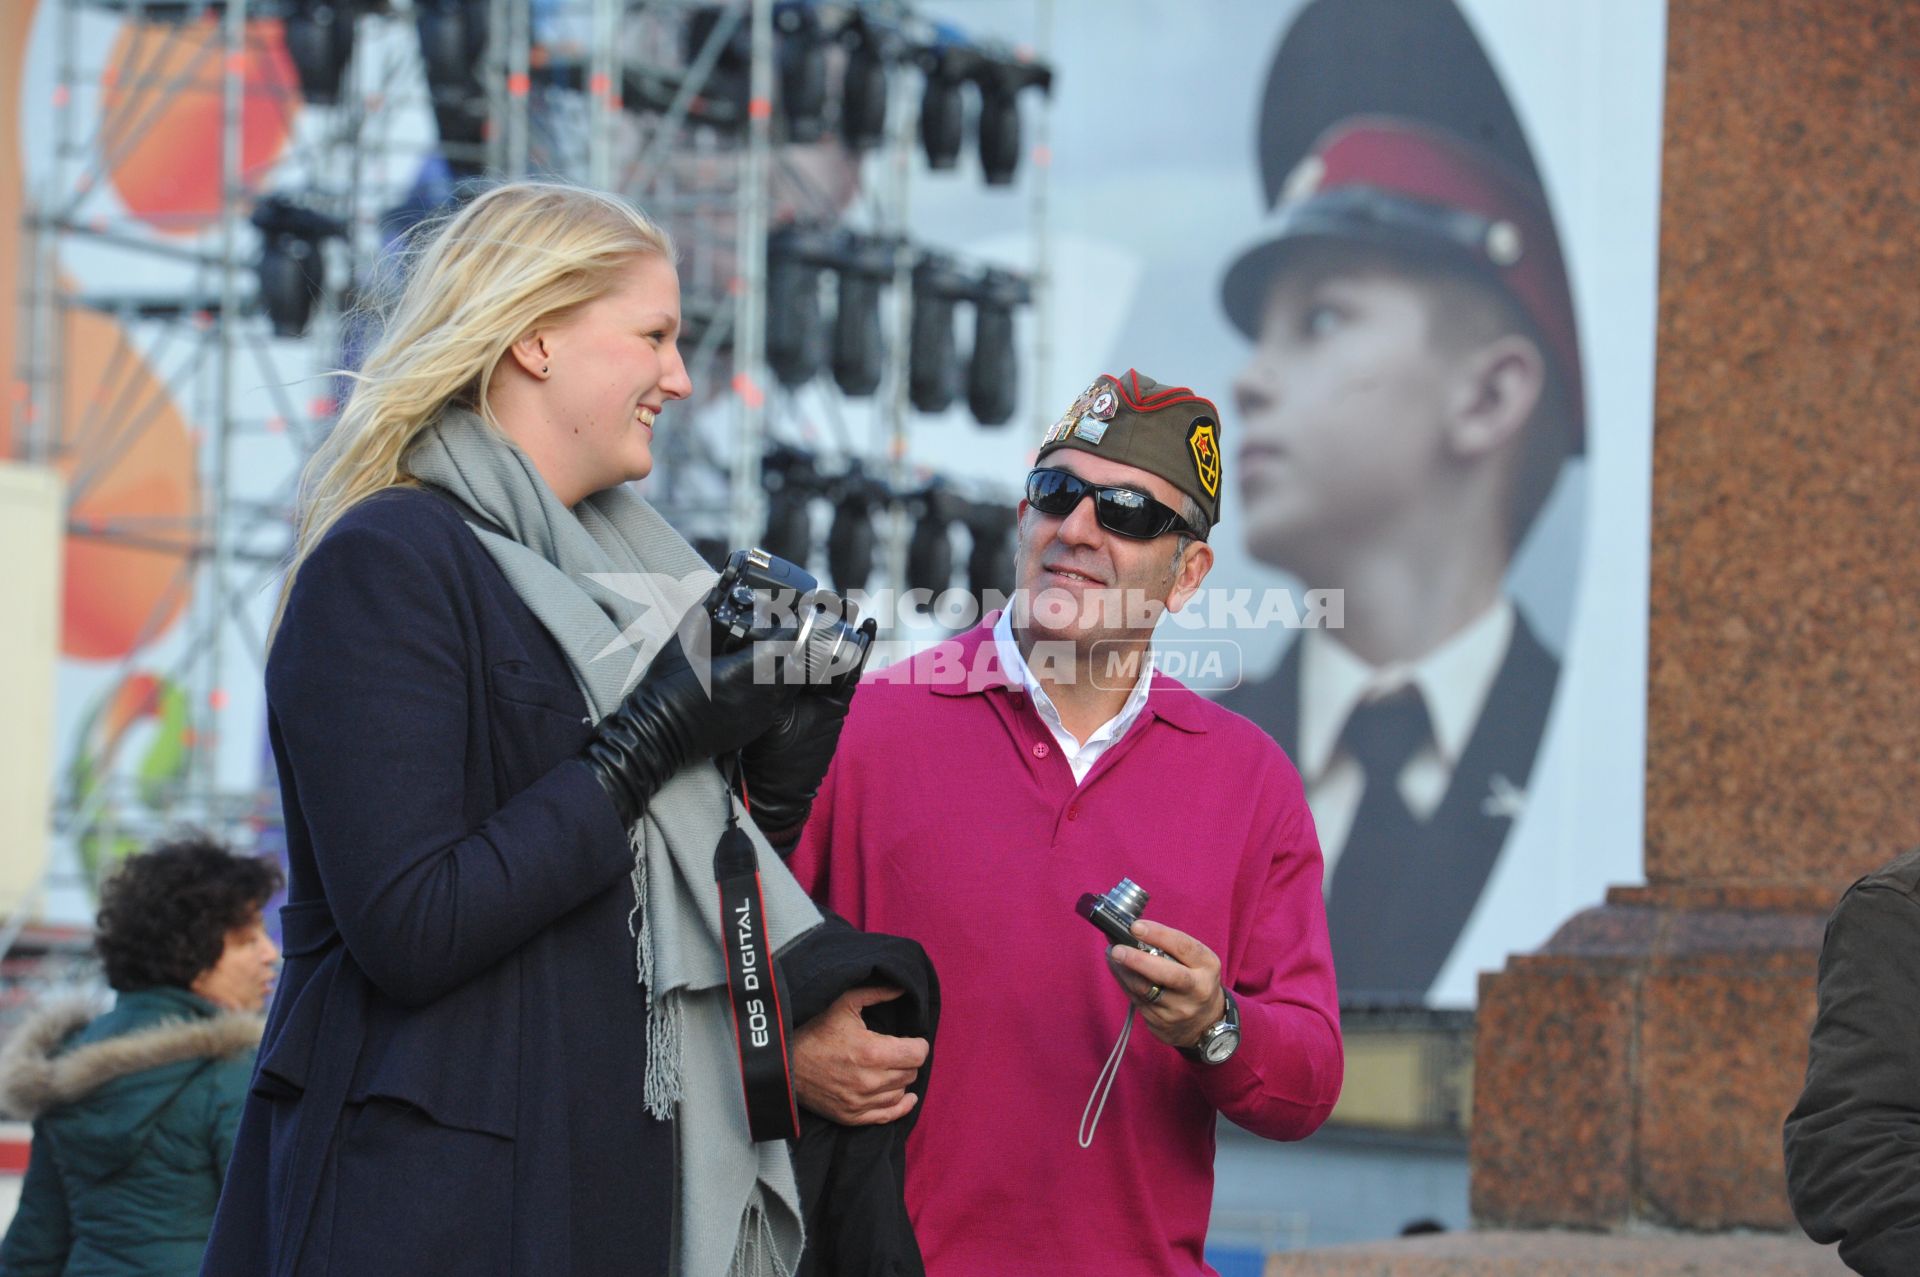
(1164, 430)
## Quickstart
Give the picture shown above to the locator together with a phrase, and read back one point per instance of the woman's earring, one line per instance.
(543, 370)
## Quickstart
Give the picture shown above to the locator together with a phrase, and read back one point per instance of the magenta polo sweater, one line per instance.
(950, 816)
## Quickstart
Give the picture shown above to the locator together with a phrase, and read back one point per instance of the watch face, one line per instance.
(1221, 1045)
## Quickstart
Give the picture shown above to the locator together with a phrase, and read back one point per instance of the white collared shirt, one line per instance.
(1454, 680)
(1081, 757)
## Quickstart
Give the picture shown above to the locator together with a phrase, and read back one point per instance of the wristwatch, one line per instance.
(1220, 1040)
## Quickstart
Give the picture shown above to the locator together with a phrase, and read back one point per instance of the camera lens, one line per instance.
(1128, 898)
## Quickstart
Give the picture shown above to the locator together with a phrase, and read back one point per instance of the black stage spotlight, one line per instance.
(789, 526)
(319, 36)
(930, 548)
(732, 78)
(933, 357)
(453, 41)
(863, 85)
(992, 374)
(801, 54)
(990, 565)
(453, 44)
(850, 539)
(865, 265)
(1000, 85)
(943, 113)
(292, 270)
(796, 330)
(791, 482)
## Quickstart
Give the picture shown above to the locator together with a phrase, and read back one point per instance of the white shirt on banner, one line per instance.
(1453, 679)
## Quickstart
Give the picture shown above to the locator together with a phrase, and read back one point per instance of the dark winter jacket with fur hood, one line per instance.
(133, 1115)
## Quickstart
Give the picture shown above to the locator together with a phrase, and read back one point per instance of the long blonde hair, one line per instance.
(520, 256)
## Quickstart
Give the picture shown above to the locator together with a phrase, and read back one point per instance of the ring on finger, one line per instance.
(1153, 994)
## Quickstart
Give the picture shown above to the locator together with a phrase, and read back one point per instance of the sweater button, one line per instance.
(1040, 749)
(1073, 813)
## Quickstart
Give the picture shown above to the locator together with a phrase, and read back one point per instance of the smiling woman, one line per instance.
(581, 395)
(485, 821)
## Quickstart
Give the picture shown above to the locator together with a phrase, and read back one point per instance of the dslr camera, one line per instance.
(1115, 912)
(757, 590)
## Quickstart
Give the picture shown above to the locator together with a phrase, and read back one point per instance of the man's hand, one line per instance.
(1190, 1000)
(849, 1074)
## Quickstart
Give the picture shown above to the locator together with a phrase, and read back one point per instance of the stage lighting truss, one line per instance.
(627, 96)
(799, 483)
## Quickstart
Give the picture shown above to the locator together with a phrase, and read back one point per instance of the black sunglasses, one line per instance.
(1119, 510)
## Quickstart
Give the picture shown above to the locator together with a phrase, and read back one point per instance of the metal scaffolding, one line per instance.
(643, 97)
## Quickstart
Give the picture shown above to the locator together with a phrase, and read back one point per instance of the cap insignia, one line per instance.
(1205, 446)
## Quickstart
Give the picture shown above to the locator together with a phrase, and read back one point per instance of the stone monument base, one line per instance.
(1567, 1254)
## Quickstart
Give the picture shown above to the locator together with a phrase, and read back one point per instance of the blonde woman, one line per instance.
(501, 1044)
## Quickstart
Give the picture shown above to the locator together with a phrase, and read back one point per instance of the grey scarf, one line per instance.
(609, 579)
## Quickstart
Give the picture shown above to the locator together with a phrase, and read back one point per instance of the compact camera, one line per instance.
(1116, 911)
(757, 589)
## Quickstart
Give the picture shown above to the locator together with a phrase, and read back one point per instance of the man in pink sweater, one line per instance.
(980, 789)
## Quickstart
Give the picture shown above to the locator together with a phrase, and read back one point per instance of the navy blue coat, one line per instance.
(450, 1080)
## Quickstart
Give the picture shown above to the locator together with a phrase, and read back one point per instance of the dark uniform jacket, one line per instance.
(1462, 841)
(133, 1120)
(1853, 1140)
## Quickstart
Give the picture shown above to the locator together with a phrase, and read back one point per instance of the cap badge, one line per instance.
(1091, 429)
(1503, 243)
(1105, 404)
(1303, 181)
(1205, 446)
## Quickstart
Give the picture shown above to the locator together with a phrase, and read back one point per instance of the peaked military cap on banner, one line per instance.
(1416, 60)
(1164, 430)
(1401, 185)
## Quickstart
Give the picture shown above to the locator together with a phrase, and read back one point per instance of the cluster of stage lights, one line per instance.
(795, 484)
(453, 42)
(873, 51)
(453, 38)
(800, 344)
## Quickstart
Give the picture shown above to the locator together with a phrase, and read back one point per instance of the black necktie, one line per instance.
(1377, 867)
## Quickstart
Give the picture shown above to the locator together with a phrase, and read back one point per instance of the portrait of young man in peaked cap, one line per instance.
(1411, 394)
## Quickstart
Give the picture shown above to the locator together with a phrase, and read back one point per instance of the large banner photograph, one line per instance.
(1409, 246)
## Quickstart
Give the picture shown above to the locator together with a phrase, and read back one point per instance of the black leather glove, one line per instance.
(784, 767)
(668, 720)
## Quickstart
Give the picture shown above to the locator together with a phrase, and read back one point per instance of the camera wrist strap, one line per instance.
(753, 988)
(1103, 1085)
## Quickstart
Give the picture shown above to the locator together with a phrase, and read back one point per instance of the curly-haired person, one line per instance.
(134, 1110)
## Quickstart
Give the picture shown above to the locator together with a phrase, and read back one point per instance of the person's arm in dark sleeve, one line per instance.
(368, 684)
(1853, 1140)
(1283, 1080)
(37, 1243)
(826, 858)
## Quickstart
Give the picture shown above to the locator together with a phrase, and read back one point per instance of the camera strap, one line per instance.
(1103, 1085)
(759, 1015)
